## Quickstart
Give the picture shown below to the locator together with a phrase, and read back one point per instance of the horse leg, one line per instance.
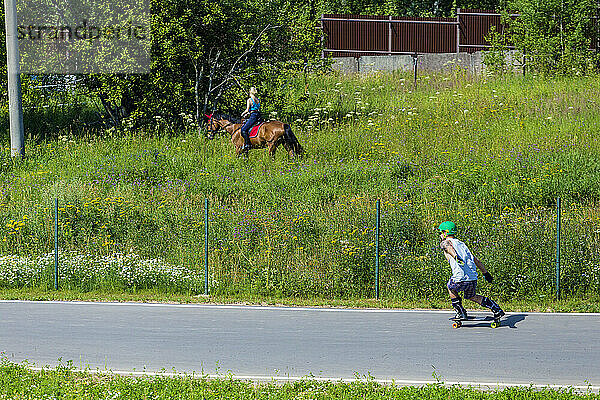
(272, 148)
(238, 147)
(288, 148)
(237, 143)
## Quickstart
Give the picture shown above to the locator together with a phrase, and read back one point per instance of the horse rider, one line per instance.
(253, 112)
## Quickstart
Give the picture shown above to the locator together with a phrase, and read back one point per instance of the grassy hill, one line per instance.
(490, 154)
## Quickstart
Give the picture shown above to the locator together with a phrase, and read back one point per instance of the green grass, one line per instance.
(491, 155)
(587, 304)
(63, 382)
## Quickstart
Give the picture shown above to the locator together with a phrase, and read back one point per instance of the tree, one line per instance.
(206, 55)
(555, 35)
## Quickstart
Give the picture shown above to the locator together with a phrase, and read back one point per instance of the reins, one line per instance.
(229, 123)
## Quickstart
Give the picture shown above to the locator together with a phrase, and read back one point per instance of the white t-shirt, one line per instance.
(463, 268)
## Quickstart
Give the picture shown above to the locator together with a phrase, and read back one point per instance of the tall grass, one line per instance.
(17, 381)
(490, 154)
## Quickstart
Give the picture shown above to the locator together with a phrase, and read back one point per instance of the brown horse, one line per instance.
(270, 134)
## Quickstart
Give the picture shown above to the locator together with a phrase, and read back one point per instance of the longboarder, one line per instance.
(464, 274)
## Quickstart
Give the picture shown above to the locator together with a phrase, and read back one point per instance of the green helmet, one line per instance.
(449, 227)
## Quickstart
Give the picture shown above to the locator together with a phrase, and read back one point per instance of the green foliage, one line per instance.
(443, 8)
(205, 55)
(194, 47)
(474, 152)
(495, 57)
(554, 35)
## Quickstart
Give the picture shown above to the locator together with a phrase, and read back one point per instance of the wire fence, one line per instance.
(337, 254)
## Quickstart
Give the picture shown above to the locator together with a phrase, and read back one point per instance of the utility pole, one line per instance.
(15, 106)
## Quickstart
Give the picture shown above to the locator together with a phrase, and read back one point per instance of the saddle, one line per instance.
(254, 130)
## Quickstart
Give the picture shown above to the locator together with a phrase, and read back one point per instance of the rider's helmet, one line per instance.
(449, 227)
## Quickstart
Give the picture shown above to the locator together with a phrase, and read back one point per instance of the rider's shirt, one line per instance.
(255, 105)
(463, 268)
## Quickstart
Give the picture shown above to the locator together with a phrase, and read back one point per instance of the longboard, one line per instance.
(458, 322)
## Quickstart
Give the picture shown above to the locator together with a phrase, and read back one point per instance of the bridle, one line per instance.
(211, 132)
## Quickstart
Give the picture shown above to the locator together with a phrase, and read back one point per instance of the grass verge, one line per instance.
(19, 382)
(588, 304)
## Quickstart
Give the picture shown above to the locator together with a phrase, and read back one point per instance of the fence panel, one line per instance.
(424, 35)
(351, 36)
(359, 35)
(474, 26)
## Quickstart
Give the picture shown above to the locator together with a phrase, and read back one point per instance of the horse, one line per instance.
(270, 134)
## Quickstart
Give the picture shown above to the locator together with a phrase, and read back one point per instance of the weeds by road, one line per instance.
(19, 382)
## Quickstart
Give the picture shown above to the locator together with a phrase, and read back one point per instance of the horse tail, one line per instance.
(292, 140)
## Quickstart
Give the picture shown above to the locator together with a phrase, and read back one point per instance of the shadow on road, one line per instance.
(512, 320)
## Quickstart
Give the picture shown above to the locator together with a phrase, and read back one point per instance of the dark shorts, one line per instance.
(468, 287)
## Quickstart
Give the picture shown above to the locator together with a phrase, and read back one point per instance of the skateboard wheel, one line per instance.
(495, 324)
(456, 325)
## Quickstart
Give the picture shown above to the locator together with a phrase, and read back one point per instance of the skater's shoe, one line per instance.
(493, 306)
(498, 313)
(461, 312)
(461, 315)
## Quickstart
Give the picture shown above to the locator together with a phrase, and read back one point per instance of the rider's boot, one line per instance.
(499, 313)
(493, 306)
(247, 145)
(461, 313)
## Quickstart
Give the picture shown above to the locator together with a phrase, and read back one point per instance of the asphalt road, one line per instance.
(541, 349)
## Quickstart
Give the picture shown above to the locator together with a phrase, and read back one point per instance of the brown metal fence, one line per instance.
(360, 35)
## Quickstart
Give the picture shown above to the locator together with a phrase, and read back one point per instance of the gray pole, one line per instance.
(14, 79)
(377, 252)
(56, 244)
(558, 248)
(206, 247)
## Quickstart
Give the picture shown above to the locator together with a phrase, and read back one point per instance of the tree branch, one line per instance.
(229, 75)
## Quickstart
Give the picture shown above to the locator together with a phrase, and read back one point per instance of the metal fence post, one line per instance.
(55, 244)
(377, 252)
(458, 30)
(558, 248)
(415, 66)
(390, 36)
(206, 247)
